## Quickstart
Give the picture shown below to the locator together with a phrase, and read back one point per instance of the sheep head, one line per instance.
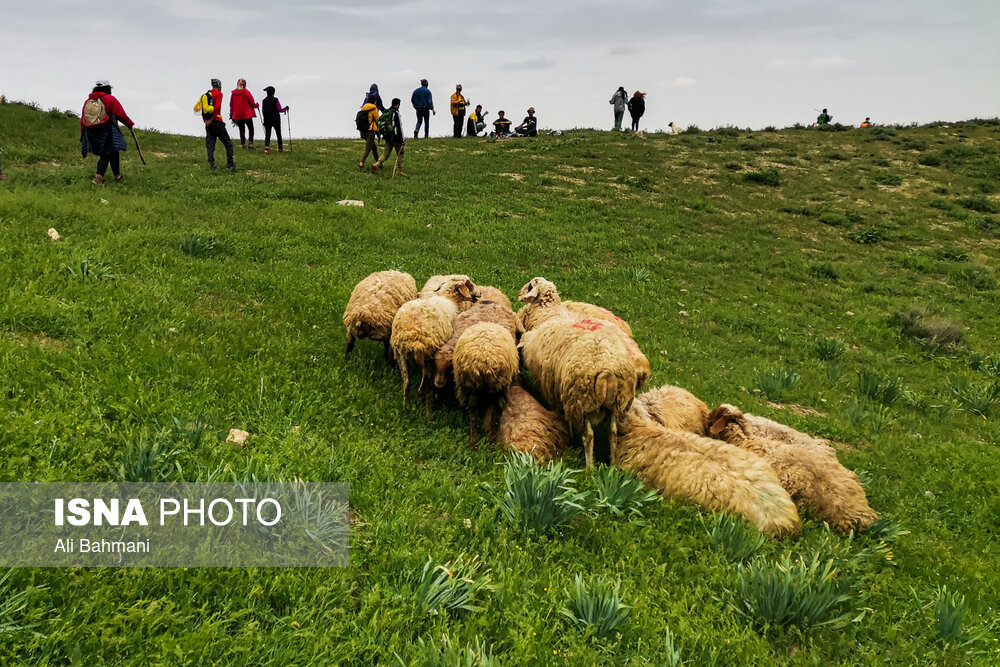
(458, 289)
(721, 417)
(540, 291)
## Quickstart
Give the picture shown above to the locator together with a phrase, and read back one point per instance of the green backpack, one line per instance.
(385, 123)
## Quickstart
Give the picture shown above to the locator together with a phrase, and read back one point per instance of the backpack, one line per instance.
(361, 120)
(385, 127)
(204, 106)
(94, 112)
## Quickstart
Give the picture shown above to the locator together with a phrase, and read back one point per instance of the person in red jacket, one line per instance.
(216, 129)
(241, 111)
(99, 133)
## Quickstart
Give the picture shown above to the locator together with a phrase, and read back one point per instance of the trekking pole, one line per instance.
(288, 119)
(137, 145)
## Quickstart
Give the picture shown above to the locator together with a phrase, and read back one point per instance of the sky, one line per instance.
(747, 63)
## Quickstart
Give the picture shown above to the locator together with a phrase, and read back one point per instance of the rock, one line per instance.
(351, 202)
(238, 437)
(53, 234)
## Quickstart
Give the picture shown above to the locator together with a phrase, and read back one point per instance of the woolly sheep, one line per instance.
(590, 310)
(489, 293)
(683, 465)
(486, 363)
(583, 369)
(496, 312)
(434, 284)
(373, 304)
(526, 426)
(809, 471)
(422, 326)
(676, 408)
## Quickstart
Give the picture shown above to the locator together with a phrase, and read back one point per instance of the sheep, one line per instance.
(526, 426)
(590, 310)
(486, 363)
(808, 468)
(490, 293)
(434, 284)
(496, 312)
(582, 368)
(676, 408)
(422, 326)
(684, 465)
(373, 304)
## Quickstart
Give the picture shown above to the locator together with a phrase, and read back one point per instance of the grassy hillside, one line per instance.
(742, 261)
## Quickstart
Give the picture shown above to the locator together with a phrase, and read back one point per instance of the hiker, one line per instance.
(501, 126)
(458, 104)
(367, 121)
(99, 133)
(423, 103)
(636, 108)
(824, 118)
(373, 91)
(529, 126)
(620, 102)
(216, 129)
(271, 111)
(867, 123)
(476, 124)
(392, 132)
(241, 111)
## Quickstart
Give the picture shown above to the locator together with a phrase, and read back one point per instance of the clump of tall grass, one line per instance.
(769, 177)
(146, 459)
(771, 383)
(880, 388)
(921, 324)
(949, 614)
(197, 245)
(445, 653)
(596, 606)
(621, 493)
(979, 398)
(539, 498)
(829, 349)
(451, 587)
(734, 539)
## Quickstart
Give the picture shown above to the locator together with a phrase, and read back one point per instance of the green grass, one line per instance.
(96, 365)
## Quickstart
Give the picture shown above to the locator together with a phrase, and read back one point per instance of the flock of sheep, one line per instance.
(584, 364)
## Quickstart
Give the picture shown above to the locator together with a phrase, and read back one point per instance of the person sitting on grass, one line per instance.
(501, 126)
(529, 126)
(476, 124)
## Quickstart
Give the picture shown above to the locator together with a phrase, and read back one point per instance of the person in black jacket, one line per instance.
(637, 107)
(394, 140)
(271, 110)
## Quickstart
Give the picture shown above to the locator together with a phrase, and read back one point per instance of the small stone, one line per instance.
(683, 313)
(467, 523)
(172, 329)
(849, 313)
(53, 234)
(238, 437)
(351, 202)
(928, 494)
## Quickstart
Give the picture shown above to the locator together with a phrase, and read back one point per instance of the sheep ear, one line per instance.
(719, 426)
(465, 290)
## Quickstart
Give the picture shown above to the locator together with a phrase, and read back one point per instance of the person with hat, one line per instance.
(636, 108)
(99, 133)
(216, 129)
(241, 111)
(529, 126)
(271, 110)
(423, 104)
(458, 104)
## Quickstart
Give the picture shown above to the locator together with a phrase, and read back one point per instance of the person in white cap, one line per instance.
(99, 133)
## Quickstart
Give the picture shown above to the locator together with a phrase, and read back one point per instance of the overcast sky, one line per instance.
(710, 63)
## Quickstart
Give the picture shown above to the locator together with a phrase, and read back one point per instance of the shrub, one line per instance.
(949, 614)
(692, 129)
(834, 219)
(867, 236)
(930, 160)
(988, 224)
(824, 271)
(772, 383)
(769, 176)
(920, 324)
(887, 178)
(976, 277)
(804, 593)
(828, 349)
(447, 654)
(980, 204)
(620, 492)
(539, 498)
(451, 587)
(953, 254)
(597, 606)
(734, 539)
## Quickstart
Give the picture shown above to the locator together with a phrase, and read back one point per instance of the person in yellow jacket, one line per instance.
(458, 104)
(370, 134)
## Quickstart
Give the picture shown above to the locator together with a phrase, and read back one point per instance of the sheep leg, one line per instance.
(588, 443)
(473, 422)
(613, 437)
(427, 384)
(404, 372)
(388, 352)
(350, 346)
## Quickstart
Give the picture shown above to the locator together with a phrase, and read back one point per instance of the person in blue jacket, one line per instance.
(423, 104)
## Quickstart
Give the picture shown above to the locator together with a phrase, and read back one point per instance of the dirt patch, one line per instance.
(511, 176)
(569, 167)
(570, 179)
(800, 410)
(159, 154)
(36, 338)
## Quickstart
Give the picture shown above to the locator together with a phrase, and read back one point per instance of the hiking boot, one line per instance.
(251, 147)
(415, 134)
(211, 166)
(230, 167)
(267, 151)
(399, 172)
(361, 166)
(118, 178)
(376, 167)
(98, 180)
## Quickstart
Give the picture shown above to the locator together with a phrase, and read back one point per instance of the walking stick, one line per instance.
(137, 145)
(288, 119)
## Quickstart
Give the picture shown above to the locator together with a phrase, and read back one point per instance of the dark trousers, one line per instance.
(267, 135)
(245, 124)
(635, 122)
(114, 159)
(459, 119)
(423, 116)
(217, 130)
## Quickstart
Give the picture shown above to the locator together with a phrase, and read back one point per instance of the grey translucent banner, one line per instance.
(296, 524)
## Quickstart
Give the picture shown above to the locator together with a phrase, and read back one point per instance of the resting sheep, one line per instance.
(676, 408)
(808, 468)
(582, 368)
(486, 363)
(373, 305)
(483, 310)
(683, 465)
(422, 326)
(526, 426)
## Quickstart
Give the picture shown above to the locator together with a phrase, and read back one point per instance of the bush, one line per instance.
(878, 387)
(539, 498)
(980, 204)
(824, 271)
(828, 349)
(976, 277)
(597, 606)
(734, 539)
(803, 594)
(451, 587)
(834, 219)
(922, 325)
(930, 160)
(867, 236)
(769, 176)
(620, 492)
(887, 178)
(989, 225)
